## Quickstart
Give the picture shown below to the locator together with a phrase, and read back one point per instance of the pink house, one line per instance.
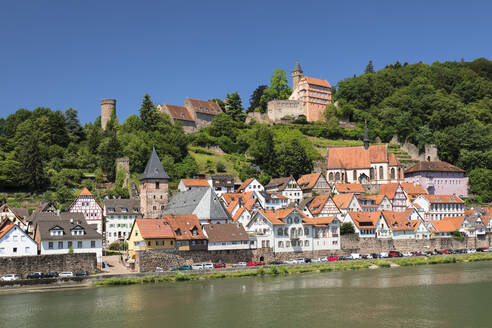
(438, 178)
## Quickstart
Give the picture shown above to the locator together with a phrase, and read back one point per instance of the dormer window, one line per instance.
(111, 210)
(194, 231)
(77, 232)
(182, 115)
(178, 232)
(124, 210)
(56, 232)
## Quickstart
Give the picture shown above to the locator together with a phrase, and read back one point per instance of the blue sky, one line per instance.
(62, 54)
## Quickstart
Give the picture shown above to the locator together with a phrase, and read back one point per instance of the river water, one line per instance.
(447, 295)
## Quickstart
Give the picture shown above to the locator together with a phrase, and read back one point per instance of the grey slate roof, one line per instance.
(203, 202)
(119, 204)
(21, 212)
(44, 227)
(222, 180)
(154, 169)
(297, 67)
(279, 183)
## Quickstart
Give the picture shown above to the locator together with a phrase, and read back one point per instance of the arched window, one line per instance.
(280, 231)
(293, 232)
(330, 176)
(337, 176)
(280, 244)
(306, 231)
(371, 173)
(343, 176)
(306, 243)
(392, 173)
(354, 177)
(381, 177)
(299, 231)
(286, 232)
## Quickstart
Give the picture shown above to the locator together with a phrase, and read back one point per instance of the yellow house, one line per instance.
(149, 234)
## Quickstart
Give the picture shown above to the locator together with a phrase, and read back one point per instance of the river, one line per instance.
(447, 295)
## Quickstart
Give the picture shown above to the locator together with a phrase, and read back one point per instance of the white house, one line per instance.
(288, 187)
(229, 236)
(437, 207)
(347, 203)
(366, 224)
(250, 184)
(404, 225)
(15, 242)
(190, 184)
(221, 183)
(320, 206)
(446, 226)
(273, 200)
(120, 215)
(16, 215)
(86, 204)
(372, 203)
(63, 236)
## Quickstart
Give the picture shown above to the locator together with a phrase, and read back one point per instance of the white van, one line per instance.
(355, 256)
(197, 267)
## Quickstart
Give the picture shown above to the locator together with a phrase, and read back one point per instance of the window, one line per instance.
(60, 244)
(14, 250)
(157, 185)
(69, 244)
(330, 176)
(79, 244)
(50, 245)
(27, 250)
(392, 173)
(306, 243)
(354, 175)
(280, 244)
(93, 244)
(337, 176)
(148, 243)
(280, 232)
(306, 231)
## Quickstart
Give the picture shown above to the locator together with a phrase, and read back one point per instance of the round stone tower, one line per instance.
(296, 75)
(107, 106)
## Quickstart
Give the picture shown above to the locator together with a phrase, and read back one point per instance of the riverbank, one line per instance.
(287, 269)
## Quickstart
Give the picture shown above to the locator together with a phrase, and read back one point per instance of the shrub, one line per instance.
(220, 166)
(346, 228)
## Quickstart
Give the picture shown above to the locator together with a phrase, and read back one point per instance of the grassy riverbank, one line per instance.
(285, 270)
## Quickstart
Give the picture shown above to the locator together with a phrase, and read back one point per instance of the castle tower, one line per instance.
(153, 188)
(296, 75)
(107, 106)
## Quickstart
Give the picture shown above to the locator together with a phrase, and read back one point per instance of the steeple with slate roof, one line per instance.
(154, 169)
(297, 67)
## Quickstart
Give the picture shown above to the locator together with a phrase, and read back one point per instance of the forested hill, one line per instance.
(449, 104)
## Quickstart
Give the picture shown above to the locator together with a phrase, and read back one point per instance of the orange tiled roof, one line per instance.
(376, 198)
(154, 229)
(277, 194)
(315, 81)
(436, 166)
(245, 184)
(365, 220)
(317, 204)
(238, 213)
(308, 181)
(349, 187)
(413, 188)
(276, 216)
(343, 200)
(235, 196)
(6, 228)
(195, 182)
(185, 223)
(204, 106)
(443, 199)
(388, 189)
(179, 113)
(448, 224)
(399, 220)
(393, 160)
(320, 221)
(85, 192)
(356, 157)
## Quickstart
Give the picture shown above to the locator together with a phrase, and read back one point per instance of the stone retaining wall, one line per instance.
(148, 260)
(24, 265)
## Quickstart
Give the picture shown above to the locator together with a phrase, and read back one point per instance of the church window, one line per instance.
(392, 173)
(354, 177)
(337, 176)
(381, 173)
(157, 185)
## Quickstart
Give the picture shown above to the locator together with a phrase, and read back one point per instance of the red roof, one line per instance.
(343, 200)
(315, 81)
(413, 188)
(349, 188)
(399, 220)
(245, 184)
(195, 182)
(154, 229)
(365, 220)
(308, 181)
(179, 113)
(448, 224)
(206, 107)
(320, 221)
(85, 192)
(443, 199)
(356, 157)
(436, 166)
(183, 226)
(6, 228)
(276, 216)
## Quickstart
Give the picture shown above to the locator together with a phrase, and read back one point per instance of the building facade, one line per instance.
(14, 241)
(86, 204)
(153, 188)
(120, 215)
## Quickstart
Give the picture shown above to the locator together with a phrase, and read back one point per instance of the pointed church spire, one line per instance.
(154, 169)
(297, 67)
(366, 136)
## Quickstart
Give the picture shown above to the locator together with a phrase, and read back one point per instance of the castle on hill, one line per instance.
(309, 99)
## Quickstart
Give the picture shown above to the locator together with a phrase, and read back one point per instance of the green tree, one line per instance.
(346, 228)
(255, 100)
(480, 183)
(369, 68)
(291, 159)
(234, 107)
(278, 89)
(72, 124)
(261, 146)
(148, 113)
(220, 166)
(30, 157)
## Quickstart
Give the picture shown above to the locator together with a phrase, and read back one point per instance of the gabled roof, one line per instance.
(131, 205)
(388, 189)
(315, 81)
(447, 224)
(154, 169)
(85, 192)
(343, 200)
(43, 227)
(245, 184)
(203, 106)
(308, 181)
(179, 113)
(320, 221)
(317, 204)
(185, 224)
(435, 166)
(201, 201)
(280, 183)
(398, 221)
(443, 199)
(222, 180)
(365, 220)
(376, 198)
(6, 228)
(349, 188)
(228, 232)
(393, 160)
(413, 188)
(238, 213)
(356, 157)
(154, 228)
(195, 183)
(276, 216)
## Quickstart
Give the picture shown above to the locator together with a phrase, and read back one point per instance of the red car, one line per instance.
(260, 263)
(252, 263)
(332, 258)
(446, 252)
(219, 265)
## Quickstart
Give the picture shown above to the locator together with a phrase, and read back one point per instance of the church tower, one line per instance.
(153, 188)
(296, 75)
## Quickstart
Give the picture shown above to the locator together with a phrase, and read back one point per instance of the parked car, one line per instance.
(299, 260)
(488, 249)
(240, 264)
(418, 253)
(407, 254)
(481, 249)
(252, 263)
(348, 258)
(83, 273)
(219, 265)
(355, 256)
(316, 260)
(446, 252)
(383, 255)
(324, 259)
(35, 275)
(197, 267)
(395, 254)
(159, 269)
(332, 258)
(290, 262)
(376, 255)
(276, 262)
(307, 260)
(10, 277)
(66, 274)
(471, 251)
(184, 267)
(208, 266)
(52, 274)
(260, 263)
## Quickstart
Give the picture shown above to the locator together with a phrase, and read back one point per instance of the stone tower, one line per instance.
(107, 106)
(296, 75)
(153, 188)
